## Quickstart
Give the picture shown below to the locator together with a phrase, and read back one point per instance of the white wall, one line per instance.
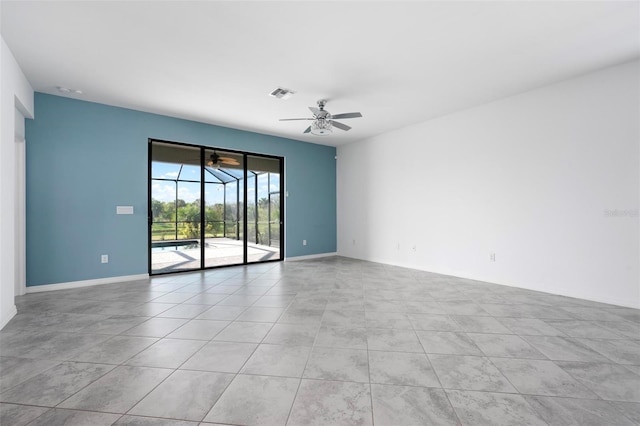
(530, 178)
(16, 102)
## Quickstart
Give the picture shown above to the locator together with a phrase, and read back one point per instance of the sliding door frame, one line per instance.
(202, 149)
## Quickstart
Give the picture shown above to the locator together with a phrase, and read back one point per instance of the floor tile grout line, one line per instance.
(124, 364)
(84, 387)
(466, 333)
(373, 422)
(175, 370)
(435, 373)
(20, 383)
(295, 396)
(239, 370)
(455, 412)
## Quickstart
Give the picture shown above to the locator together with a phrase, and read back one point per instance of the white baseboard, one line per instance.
(12, 313)
(561, 291)
(556, 290)
(310, 256)
(85, 283)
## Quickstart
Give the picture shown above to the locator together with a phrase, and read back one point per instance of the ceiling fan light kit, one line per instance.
(323, 122)
(321, 127)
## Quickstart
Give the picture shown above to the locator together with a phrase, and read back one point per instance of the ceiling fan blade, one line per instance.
(292, 119)
(347, 115)
(308, 129)
(314, 110)
(340, 125)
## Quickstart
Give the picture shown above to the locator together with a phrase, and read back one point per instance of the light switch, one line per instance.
(124, 209)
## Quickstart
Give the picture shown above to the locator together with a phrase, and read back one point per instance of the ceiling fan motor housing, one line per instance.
(323, 122)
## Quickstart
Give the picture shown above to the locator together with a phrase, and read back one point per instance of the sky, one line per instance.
(189, 192)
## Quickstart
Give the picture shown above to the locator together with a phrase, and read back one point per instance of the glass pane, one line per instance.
(274, 220)
(175, 208)
(230, 217)
(223, 209)
(263, 208)
(189, 210)
(214, 210)
(190, 217)
(263, 212)
(252, 218)
(161, 170)
(218, 175)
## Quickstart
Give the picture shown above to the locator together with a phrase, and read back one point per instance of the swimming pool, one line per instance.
(159, 246)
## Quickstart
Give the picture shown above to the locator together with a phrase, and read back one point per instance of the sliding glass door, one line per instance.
(175, 208)
(212, 207)
(224, 208)
(263, 208)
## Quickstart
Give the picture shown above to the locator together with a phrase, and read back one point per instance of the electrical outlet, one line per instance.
(414, 248)
(104, 258)
(304, 242)
(354, 242)
(492, 257)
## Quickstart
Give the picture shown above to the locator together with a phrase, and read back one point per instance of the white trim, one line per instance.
(556, 291)
(561, 291)
(20, 217)
(310, 256)
(86, 283)
(12, 313)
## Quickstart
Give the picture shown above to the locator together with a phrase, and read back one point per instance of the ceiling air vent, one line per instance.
(281, 93)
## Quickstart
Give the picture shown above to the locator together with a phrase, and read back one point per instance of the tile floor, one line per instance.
(332, 341)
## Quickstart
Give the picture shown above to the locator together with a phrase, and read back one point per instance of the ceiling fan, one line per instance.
(216, 161)
(323, 121)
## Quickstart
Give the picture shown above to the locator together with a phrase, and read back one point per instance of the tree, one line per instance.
(190, 215)
(213, 218)
(157, 208)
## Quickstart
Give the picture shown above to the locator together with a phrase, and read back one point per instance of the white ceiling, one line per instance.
(398, 63)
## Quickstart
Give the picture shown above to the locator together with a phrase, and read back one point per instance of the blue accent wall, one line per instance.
(84, 159)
